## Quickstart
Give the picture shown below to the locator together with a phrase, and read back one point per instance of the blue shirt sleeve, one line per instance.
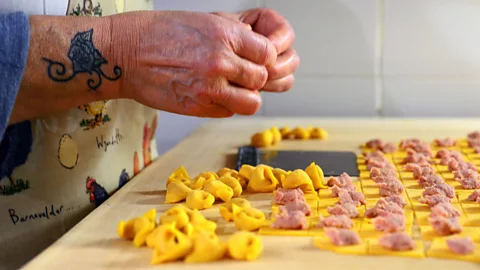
(15, 140)
(14, 41)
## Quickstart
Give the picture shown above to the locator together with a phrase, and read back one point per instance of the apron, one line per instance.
(78, 159)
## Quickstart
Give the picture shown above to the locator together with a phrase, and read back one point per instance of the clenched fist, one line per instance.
(197, 64)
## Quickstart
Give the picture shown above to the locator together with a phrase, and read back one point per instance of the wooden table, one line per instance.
(93, 243)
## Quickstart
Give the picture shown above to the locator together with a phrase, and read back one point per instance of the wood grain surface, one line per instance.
(94, 244)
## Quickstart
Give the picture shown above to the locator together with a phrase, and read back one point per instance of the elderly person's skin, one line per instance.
(191, 63)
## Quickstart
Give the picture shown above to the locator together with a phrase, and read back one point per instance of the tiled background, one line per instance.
(400, 58)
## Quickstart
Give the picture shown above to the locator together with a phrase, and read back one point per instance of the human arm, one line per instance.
(42, 90)
(189, 63)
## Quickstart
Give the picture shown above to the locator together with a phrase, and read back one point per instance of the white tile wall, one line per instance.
(432, 37)
(346, 27)
(334, 96)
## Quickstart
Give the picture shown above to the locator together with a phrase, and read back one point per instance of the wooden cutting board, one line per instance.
(93, 243)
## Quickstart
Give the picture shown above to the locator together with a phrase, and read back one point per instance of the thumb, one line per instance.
(232, 17)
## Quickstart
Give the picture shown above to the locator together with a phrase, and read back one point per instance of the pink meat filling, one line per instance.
(474, 135)
(348, 209)
(441, 189)
(294, 220)
(449, 153)
(284, 196)
(390, 188)
(445, 225)
(430, 180)
(383, 207)
(474, 197)
(340, 222)
(343, 237)
(389, 223)
(455, 165)
(469, 183)
(351, 197)
(375, 155)
(414, 157)
(445, 142)
(420, 169)
(465, 173)
(399, 241)
(473, 142)
(396, 199)
(461, 246)
(342, 181)
(434, 200)
(374, 143)
(295, 206)
(380, 164)
(382, 172)
(444, 210)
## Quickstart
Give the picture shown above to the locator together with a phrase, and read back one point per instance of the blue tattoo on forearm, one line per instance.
(85, 58)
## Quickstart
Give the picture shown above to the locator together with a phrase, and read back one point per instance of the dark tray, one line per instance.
(333, 163)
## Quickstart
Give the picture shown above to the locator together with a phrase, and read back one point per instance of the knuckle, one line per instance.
(216, 64)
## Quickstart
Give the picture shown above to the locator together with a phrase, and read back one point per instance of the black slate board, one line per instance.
(333, 163)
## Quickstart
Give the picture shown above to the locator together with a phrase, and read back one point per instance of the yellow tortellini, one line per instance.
(262, 180)
(286, 132)
(177, 192)
(206, 248)
(233, 183)
(235, 174)
(262, 139)
(276, 135)
(179, 175)
(201, 179)
(280, 174)
(245, 246)
(226, 210)
(219, 190)
(300, 133)
(138, 229)
(246, 171)
(318, 133)
(248, 219)
(298, 179)
(200, 223)
(178, 214)
(199, 199)
(169, 244)
(316, 175)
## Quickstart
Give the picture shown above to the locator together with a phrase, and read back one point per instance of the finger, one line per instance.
(192, 108)
(287, 63)
(255, 47)
(238, 100)
(282, 38)
(246, 74)
(232, 17)
(272, 25)
(280, 85)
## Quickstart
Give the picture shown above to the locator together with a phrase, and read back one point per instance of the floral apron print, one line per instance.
(78, 159)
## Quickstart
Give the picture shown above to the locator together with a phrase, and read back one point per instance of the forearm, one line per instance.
(64, 68)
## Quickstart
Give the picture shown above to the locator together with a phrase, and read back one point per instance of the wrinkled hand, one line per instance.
(192, 63)
(277, 29)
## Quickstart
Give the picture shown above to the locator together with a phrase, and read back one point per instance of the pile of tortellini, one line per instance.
(227, 185)
(274, 135)
(185, 234)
